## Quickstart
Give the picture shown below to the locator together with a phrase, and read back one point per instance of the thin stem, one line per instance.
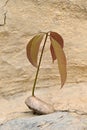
(39, 64)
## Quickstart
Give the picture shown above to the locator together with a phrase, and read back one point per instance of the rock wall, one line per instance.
(56, 121)
(19, 21)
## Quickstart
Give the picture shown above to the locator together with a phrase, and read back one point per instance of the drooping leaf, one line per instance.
(58, 38)
(61, 59)
(52, 53)
(60, 41)
(32, 48)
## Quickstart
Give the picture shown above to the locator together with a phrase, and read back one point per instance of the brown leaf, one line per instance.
(32, 48)
(61, 60)
(60, 41)
(52, 53)
(58, 38)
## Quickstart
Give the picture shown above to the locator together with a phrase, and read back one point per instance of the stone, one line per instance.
(55, 121)
(73, 97)
(38, 106)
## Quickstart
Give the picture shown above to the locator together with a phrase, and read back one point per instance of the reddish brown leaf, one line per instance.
(33, 48)
(61, 59)
(59, 39)
(52, 53)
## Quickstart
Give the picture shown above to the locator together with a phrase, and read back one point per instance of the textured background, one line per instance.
(20, 20)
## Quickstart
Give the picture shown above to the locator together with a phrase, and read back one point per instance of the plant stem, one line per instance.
(39, 64)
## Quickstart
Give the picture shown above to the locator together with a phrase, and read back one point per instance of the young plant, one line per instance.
(56, 49)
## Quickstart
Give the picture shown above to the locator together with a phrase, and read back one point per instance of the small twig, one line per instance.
(34, 85)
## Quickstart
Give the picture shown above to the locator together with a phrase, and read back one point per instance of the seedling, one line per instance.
(56, 49)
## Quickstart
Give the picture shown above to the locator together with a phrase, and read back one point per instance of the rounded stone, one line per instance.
(38, 106)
